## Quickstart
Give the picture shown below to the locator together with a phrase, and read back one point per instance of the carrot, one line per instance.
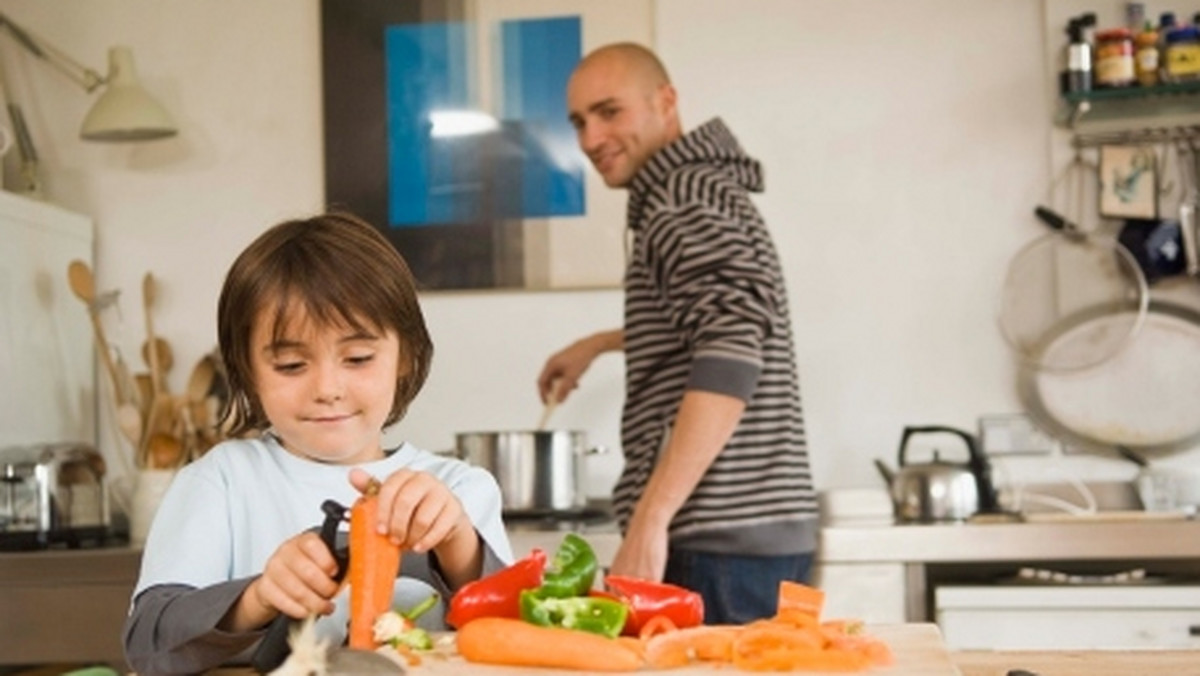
(508, 641)
(800, 599)
(703, 643)
(374, 565)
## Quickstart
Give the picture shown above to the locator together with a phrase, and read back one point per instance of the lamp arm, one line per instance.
(59, 60)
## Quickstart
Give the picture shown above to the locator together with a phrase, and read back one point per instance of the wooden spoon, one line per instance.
(551, 404)
(161, 357)
(83, 285)
(200, 381)
(129, 420)
(165, 451)
(196, 394)
(149, 295)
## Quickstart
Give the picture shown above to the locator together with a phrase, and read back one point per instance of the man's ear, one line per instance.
(667, 99)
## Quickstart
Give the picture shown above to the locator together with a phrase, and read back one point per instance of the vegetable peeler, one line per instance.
(274, 648)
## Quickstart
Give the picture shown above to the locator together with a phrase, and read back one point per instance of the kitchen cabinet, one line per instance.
(65, 606)
(1069, 617)
(927, 559)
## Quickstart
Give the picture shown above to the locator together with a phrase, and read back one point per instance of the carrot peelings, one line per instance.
(374, 565)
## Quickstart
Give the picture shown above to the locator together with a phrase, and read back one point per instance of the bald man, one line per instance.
(716, 493)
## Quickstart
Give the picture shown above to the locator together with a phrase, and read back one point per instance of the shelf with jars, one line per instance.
(1161, 105)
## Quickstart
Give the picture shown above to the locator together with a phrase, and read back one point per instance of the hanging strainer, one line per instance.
(1056, 288)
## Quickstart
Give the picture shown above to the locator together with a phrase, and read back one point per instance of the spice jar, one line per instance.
(1181, 62)
(1114, 58)
(1145, 57)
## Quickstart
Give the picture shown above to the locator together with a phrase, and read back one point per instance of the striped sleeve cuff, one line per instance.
(724, 376)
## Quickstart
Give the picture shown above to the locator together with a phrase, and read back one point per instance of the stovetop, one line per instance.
(594, 516)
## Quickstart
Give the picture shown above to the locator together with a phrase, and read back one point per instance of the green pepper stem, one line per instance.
(420, 609)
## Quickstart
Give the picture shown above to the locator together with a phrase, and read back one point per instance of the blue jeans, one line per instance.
(736, 588)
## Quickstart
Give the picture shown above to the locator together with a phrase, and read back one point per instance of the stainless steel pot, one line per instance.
(538, 471)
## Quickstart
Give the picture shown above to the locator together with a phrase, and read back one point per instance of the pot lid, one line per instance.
(1143, 398)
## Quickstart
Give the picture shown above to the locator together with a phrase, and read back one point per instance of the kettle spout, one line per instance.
(886, 472)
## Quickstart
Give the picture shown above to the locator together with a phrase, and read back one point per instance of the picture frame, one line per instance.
(1128, 182)
(481, 223)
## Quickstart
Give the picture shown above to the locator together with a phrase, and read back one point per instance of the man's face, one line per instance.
(619, 118)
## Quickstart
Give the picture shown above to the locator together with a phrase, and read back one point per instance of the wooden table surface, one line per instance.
(918, 649)
(1080, 663)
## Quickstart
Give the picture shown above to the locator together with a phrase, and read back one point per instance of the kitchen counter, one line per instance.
(1152, 538)
(888, 573)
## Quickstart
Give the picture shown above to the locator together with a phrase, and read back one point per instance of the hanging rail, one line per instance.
(1137, 136)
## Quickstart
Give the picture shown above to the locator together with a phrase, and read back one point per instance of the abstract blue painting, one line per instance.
(453, 161)
(445, 126)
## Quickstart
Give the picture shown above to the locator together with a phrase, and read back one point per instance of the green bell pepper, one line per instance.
(592, 614)
(572, 570)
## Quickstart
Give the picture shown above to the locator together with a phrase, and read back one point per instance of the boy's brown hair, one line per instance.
(343, 272)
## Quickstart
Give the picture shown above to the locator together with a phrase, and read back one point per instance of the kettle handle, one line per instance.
(980, 467)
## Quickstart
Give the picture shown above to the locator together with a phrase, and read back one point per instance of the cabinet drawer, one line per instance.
(1069, 617)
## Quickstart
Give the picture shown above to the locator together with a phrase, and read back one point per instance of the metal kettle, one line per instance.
(939, 491)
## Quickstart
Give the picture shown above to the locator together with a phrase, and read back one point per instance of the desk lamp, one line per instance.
(123, 112)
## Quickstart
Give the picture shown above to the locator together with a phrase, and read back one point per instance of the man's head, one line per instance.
(623, 108)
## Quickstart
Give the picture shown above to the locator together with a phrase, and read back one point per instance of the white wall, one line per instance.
(905, 145)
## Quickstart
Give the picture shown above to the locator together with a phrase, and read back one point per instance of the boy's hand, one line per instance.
(416, 509)
(298, 578)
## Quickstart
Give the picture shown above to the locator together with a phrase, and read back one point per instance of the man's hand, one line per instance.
(643, 553)
(560, 376)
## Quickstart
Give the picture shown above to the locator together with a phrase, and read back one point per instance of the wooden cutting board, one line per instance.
(918, 649)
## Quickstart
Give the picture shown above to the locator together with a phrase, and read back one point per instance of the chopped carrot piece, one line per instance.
(794, 596)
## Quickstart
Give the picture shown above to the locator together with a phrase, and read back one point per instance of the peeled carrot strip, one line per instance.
(705, 643)
(374, 565)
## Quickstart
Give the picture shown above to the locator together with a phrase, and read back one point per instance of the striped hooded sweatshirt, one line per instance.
(706, 309)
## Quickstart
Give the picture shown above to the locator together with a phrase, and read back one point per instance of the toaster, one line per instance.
(52, 494)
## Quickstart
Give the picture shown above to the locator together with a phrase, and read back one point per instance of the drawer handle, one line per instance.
(1194, 630)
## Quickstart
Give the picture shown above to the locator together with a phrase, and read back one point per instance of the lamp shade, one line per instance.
(125, 111)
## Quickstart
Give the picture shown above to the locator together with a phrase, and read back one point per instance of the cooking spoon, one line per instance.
(83, 285)
(149, 295)
(160, 358)
(551, 404)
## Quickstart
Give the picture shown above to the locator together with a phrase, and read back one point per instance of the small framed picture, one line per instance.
(1128, 182)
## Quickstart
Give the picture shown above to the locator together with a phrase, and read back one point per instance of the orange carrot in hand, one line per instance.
(374, 565)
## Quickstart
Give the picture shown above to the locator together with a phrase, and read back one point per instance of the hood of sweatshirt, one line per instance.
(712, 145)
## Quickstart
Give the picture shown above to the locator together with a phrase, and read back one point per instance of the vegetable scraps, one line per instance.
(374, 565)
(795, 639)
(397, 629)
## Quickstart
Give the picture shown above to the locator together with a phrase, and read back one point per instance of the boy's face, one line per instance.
(325, 390)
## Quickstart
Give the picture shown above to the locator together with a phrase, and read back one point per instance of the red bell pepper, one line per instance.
(646, 599)
(498, 594)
